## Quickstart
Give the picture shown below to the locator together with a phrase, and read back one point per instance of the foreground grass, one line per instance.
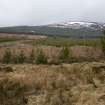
(58, 42)
(66, 84)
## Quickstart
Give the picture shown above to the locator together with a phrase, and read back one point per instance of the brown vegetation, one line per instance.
(76, 52)
(63, 84)
(66, 84)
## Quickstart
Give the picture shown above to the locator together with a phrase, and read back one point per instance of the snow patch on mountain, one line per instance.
(77, 25)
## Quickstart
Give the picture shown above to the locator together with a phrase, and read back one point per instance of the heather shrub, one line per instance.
(12, 92)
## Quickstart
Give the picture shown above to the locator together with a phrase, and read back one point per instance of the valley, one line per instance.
(51, 68)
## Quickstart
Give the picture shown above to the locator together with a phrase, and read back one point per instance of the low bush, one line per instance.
(21, 57)
(41, 58)
(32, 57)
(7, 56)
(64, 55)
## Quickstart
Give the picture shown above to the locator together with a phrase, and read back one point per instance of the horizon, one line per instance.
(51, 23)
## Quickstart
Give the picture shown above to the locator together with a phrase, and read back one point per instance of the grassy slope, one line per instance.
(53, 31)
(66, 42)
(55, 41)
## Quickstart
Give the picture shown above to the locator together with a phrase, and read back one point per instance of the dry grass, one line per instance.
(66, 84)
(52, 52)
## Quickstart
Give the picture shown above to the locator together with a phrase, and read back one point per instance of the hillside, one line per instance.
(72, 30)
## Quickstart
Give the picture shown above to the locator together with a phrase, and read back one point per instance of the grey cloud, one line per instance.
(36, 12)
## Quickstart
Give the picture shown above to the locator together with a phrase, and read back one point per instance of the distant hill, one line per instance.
(78, 25)
(65, 29)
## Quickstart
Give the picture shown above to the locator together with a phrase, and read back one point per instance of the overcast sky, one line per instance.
(37, 12)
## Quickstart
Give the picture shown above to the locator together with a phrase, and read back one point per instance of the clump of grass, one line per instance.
(11, 92)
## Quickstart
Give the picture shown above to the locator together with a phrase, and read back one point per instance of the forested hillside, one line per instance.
(53, 31)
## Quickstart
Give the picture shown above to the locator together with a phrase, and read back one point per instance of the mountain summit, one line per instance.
(78, 25)
(63, 29)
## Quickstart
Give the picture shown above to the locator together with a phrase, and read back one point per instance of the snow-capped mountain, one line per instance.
(78, 25)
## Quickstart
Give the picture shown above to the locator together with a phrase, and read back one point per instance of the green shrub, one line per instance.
(41, 58)
(32, 56)
(7, 56)
(21, 57)
(64, 55)
(11, 92)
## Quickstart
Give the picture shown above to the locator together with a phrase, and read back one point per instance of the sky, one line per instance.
(40, 12)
